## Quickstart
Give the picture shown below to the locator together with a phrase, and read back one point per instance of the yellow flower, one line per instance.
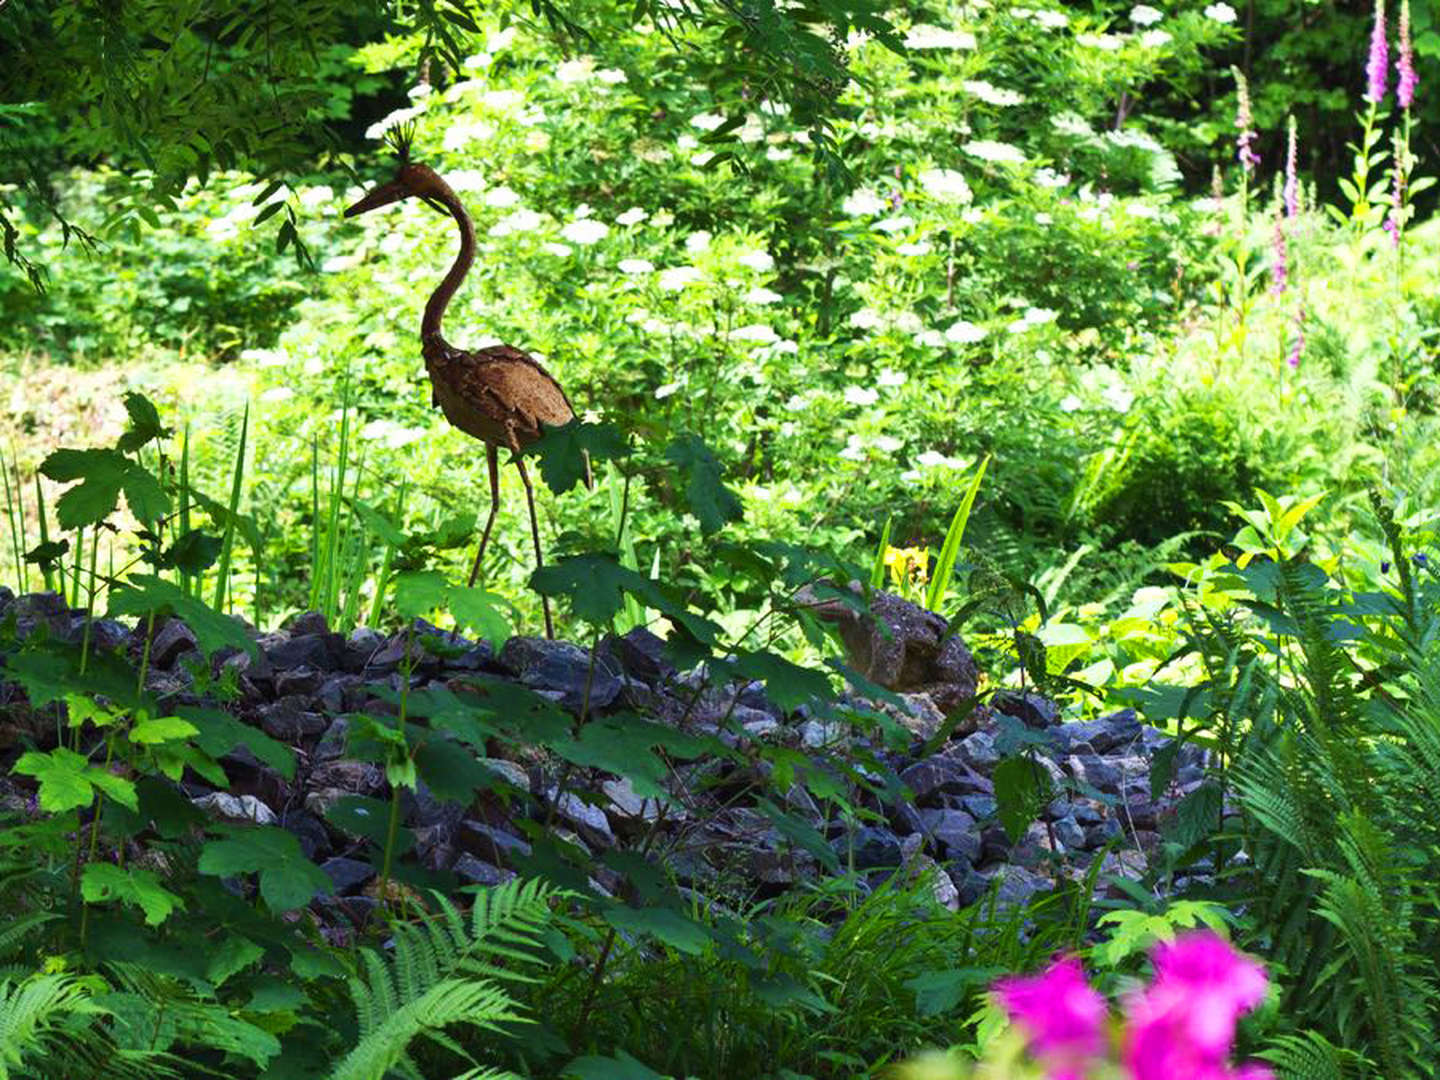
(908, 566)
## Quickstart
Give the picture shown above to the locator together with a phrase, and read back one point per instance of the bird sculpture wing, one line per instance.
(500, 395)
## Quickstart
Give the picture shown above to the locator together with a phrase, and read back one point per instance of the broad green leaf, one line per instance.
(562, 451)
(145, 423)
(939, 992)
(664, 924)
(101, 881)
(788, 685)
(620, 1067)
(85, 710)
(288, 879)
(218, 733)
(61, 773)
(233, 955)
(712, 503)
(484, 612)
(147, 594)
(595, 585)
(378, 523)
(1022, 788)
(162, 729)
(419, 592)
(193, 553)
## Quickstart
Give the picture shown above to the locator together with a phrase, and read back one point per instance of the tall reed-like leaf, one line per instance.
(945, 563)
(227, 540)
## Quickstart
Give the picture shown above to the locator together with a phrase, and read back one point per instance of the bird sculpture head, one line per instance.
(412, 180)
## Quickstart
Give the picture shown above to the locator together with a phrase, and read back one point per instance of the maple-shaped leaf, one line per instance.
(563, 452)
(288, 879)
(103, 474)
(712, 503)
(68, 780)
(145, 424)
(101, 881)
(145, 594)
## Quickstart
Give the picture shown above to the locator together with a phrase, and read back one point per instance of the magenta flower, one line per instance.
(1183, 1023)
(1299, 345)
(1292, 177)
(1405, 62)
(1377, 73)
(1062, 1014)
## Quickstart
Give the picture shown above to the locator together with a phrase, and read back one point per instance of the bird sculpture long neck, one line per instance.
(440, 298)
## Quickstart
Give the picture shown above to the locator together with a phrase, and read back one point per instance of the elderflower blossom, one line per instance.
(521, 221)
(707, 121)
(937, 37)
(761, 296)
(757, 260)
(863, 204)
(1145, 15)
(964, 332)
(946, 185)
(585, 231)
(992, 95)
(633, 216)
(861, 395)
(998, 153)
(635, 266)
(1221, 13)
(675, 278)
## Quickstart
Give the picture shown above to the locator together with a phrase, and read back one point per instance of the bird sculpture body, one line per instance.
(499, 395)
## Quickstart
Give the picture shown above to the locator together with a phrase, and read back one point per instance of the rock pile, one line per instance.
(305, 680)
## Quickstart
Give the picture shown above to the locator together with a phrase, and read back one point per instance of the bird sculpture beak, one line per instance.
(376, 197)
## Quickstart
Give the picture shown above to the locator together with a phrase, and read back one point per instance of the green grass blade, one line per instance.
(877, 572)
(13, 514)
(44, 530)
(186, 584)
(227, 542)
(945, 564)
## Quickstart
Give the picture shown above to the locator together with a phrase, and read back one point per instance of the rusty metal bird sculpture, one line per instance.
(500, 395)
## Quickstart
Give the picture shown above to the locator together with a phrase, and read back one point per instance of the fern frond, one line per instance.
(453, 1001)
(32, 1012)
(1311, 1056)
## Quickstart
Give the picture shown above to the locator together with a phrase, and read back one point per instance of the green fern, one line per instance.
(443, 972)
(1310, 1056)
(33, 1013)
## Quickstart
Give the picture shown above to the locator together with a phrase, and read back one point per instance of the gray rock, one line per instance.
(228, 807)
(170, 642)
(1119, 729)
(978, 751)
(944, 774)
(332, 743)
(955, 831)
(1034, 710)
(475, 872)
(322, 651)
(561, 667)
(309, 622)
(641, 655)
(289, 720)
(301, 680)
(356, 777)
(1100, 773)
(1097, 836)
(869, 848)
(490, 843)
(1018, 885)
(348, 875)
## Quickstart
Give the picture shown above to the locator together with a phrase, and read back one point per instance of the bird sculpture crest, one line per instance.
(500, 394)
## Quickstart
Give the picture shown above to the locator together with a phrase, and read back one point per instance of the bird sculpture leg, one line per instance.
(492, 459)
(535, 535)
